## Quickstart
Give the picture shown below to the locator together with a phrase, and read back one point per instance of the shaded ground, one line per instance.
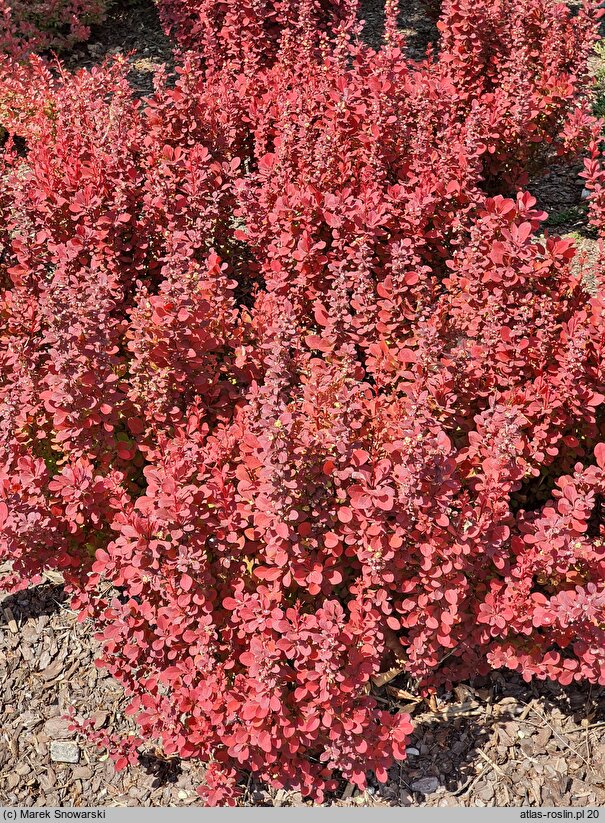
(418, 27)
(132, 29)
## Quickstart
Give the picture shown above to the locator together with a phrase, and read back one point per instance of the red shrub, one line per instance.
(36, 25)
(290, 400)
(249, 33)
(523, 67)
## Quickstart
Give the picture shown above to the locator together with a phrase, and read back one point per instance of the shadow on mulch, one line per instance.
(132, 28)
(577, 702)
(165, 771)
(419, 27)
(32, 603)
(485, 736)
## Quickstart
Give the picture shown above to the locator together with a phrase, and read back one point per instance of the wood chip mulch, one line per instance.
(46, 668)
(132, 30)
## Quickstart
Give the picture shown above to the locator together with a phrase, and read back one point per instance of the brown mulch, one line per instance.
(46, 669)
(413, 20)
(132, 29)
(493, 742)
(505, 743)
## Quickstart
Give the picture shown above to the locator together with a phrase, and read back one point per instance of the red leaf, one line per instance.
(3, 513)
(345, 515)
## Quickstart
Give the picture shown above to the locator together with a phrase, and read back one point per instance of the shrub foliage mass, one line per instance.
(294, 387)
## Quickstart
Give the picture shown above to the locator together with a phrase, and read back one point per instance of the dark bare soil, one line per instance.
(418, 28)
(132, 29)
(496, 742)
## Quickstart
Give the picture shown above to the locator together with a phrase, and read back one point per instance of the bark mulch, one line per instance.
(132, 30)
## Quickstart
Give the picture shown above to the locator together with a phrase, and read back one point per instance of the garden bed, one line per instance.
(496, 741)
